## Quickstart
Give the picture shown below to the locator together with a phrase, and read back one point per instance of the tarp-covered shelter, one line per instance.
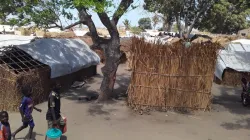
(234, 57)
(38, 64)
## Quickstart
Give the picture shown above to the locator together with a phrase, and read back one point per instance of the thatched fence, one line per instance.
(172, 76)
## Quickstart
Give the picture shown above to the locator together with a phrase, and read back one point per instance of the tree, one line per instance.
(110, 46)
(126, 23)
(166, 13)
(135, 30)
(145, 23)
(226, 16)
(155, 20)
(8, 7)
(189, 11)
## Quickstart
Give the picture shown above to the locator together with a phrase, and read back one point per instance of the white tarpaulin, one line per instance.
(236, 56)
(64, 56)
(7, 40)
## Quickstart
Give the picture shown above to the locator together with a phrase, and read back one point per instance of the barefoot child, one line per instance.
(26, 109)
(53, 115)
(5, 123)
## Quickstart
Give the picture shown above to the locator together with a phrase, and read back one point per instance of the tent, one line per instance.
(64, 56)
(236, 56)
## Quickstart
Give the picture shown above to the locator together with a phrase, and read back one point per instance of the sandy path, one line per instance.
(115, 121)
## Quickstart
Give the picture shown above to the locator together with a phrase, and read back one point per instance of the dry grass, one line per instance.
(11, 85)
(232, 78)
(172, 76)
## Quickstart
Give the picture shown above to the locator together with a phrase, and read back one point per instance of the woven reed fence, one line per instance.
(172, 76)
(232, 78)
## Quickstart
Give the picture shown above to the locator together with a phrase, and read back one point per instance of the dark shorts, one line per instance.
(29, 123)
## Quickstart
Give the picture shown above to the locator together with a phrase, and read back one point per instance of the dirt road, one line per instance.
(228, 120)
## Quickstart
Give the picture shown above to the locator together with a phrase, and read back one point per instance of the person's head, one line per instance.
(4, 116)
(26, 91)
(57, 88)
(244, 80)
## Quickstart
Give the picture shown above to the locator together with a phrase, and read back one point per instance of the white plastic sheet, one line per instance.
(235, 56)
(6, 40)
(64, 56)
(80, 32)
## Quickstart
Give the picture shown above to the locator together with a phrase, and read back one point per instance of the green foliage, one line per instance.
(135, 30)
(145, 23)
(126, 23)
(226, 16)
(45, 13)
(97, 5)
(188, 11)
(175, 28)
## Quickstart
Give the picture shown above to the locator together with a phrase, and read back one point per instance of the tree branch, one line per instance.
(124, 5)
(86, 19)
(203, 9)
(107, 23)
(72, 25)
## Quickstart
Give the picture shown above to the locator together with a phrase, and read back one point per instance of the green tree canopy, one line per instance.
(226, 17)
(126, 23)
(145, 23)
(188, 11)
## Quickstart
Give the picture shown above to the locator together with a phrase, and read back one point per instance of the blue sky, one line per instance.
(132, 15)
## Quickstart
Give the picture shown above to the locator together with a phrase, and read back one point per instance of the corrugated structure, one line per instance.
(165, 76)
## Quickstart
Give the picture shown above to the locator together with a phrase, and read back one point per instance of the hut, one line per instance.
(233, 63)
(40, 64)
(171, 76)
(20, 70)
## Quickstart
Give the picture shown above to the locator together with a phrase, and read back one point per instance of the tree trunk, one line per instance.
(178, 22)
(170, 24)
(112, 54)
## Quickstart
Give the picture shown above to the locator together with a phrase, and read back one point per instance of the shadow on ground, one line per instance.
(86, 93)
(89, 94)
(34, 134)
(229, 99)
(239, 124)
(97, 109)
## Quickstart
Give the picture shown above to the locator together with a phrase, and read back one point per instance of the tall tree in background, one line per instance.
(226, 17)
(155, 20)
(46, 14)
(145, 23)
(126, 23)
(166, 13)
(189, 11)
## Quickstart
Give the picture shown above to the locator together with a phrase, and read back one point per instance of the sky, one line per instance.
(132, 15)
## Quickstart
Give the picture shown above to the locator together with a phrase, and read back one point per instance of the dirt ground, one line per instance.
(227, 120)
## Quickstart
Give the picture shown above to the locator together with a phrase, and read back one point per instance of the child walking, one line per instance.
(26, 109)
(5, 125)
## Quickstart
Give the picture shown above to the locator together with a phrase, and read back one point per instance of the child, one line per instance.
(3, 130)
(5, 122)
(245, 84)
(26, 109)
(53, 115)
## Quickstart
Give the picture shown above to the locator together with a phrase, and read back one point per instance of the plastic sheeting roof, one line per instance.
(235, 56)
(64, 56)
(7, 40)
